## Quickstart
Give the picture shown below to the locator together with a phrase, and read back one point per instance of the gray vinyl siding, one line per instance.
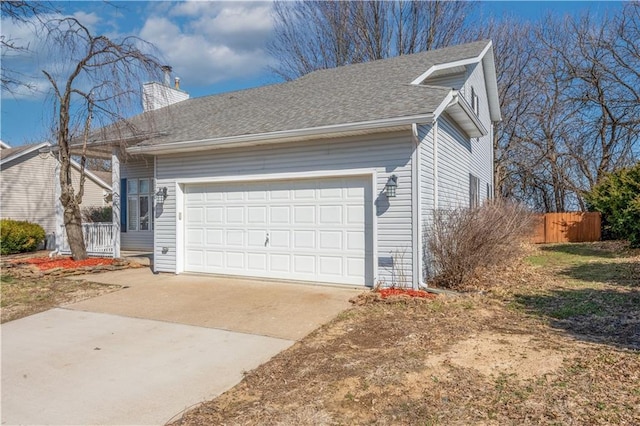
(387, 154)
(27, 191)
(454, 165)
(482, 159)
(137, 168)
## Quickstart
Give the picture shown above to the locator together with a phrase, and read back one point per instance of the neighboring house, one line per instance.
(295, 180)
(27, 186)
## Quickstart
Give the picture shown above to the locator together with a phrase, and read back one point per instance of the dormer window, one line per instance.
(474, 100)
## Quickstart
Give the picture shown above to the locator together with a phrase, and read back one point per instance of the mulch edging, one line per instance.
(36, 267)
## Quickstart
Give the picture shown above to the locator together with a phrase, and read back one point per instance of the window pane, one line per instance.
(144, 186)
(144, 212)
(132, 186)
(132, 213)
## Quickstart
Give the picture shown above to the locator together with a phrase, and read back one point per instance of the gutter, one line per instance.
(458, 102)
(389, 124)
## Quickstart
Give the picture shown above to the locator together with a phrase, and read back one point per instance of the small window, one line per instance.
(474, 191)
(139, 205)
(474, 100)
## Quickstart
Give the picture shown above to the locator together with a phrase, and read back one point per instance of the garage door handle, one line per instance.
(266, 241)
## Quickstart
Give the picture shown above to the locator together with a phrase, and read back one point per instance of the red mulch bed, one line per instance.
(388, 292)
(44, 263)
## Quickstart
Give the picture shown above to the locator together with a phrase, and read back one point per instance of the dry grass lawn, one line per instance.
(554, 340)
(24, 294)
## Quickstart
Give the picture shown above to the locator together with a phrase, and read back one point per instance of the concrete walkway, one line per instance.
(144, 354)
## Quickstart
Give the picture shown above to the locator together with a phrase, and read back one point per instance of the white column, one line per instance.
(58, 208)
(115, 191)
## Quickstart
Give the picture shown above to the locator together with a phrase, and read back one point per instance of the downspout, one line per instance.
(421, 284)
(416, 200)
(435, 165)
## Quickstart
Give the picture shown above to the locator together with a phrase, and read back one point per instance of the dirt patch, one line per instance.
(495, 354)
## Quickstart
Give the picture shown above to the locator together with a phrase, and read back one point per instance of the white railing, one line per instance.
(98, 238)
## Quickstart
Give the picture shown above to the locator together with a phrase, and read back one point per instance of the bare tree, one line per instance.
(569, 99)
(99, 84)
(23, 13)
(312, 35)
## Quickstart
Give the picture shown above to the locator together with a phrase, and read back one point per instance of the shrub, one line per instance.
(19, 236)
(459, 242)
(617, 197)
(96, 214)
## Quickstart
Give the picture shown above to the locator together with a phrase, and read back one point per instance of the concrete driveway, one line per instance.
(144, 354)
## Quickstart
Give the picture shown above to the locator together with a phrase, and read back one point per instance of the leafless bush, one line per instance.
(461, 241)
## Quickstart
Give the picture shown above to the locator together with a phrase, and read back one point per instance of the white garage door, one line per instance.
(311, 229)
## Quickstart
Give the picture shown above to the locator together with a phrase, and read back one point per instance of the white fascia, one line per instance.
(456, 103)
(282, 136)
(477, 129)
(447, 65)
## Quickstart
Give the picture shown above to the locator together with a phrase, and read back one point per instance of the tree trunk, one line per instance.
(73, 228)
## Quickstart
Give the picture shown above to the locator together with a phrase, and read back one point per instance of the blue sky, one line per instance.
(212, 46)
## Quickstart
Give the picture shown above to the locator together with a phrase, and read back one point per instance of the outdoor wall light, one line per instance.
(391, 186)
(161, 195)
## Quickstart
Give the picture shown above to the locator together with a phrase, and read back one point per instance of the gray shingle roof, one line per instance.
(350, 94)
(16, 151)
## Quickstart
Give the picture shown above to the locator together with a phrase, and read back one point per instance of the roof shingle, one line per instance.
(349, 94)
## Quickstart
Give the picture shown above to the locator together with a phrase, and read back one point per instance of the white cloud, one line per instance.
(209, 42)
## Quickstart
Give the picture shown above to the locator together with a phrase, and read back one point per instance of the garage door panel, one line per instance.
(214, 237)
(257, 215)
(257, 261)
(330, 265)
(235, 260)
(304, 215)
(355, 267)
(355, 215)
(304, 264)
(235, 238)
(256, 238)
(235, 195)
(330, 240)
(355, 240)
(304, 239)
(235, 214)
(280, 263)
(214, 215)
(310, 229)
(280, 215)
(195, 259)
(215, 259)
(213, 196)
(279, 239)
(331, 215)
(195, 215)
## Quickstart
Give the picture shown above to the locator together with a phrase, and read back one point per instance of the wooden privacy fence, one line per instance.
(572, 227)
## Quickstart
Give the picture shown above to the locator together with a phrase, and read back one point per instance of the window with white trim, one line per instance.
(139, 204)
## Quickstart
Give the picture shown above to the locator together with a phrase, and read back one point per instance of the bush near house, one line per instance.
(462, 241)
(617, 197)
(97, 214)
(19, 236)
